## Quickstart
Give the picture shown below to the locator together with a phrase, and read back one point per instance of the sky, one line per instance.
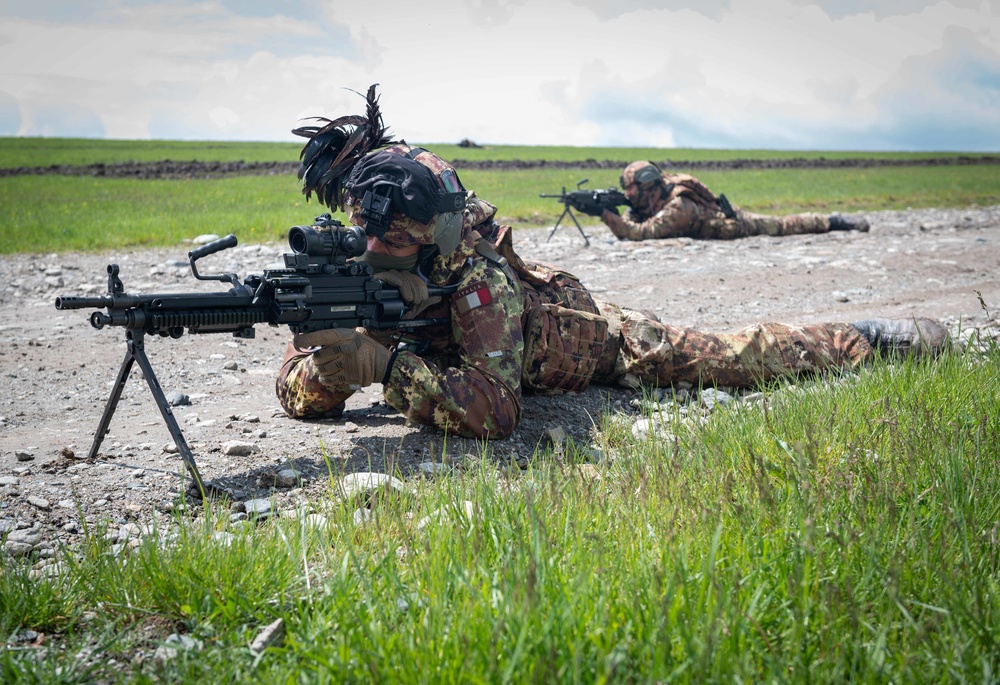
(774, 74)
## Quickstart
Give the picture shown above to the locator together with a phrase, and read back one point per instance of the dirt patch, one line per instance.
(56, 371)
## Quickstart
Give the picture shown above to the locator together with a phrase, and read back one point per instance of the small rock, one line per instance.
(235, 448)
(362, 515)
(231, 366)
(465, 510)
(287, 478)
(173, 644)
(28, 536)
(588, 472)
(38, 502)
(257, 507)
(178, 399)
(17, 549)
(431, 468)
(273, 634)
(711, 397)
(21, 455)
(225, 538)
(367, 485)
(644, 429)
(9, 480)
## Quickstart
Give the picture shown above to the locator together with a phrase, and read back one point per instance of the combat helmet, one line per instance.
(644, 187)
(405, 195)
(400, 194)
(641, 173)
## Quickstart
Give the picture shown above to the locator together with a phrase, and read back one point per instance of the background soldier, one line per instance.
(678, 205)
(513, 324)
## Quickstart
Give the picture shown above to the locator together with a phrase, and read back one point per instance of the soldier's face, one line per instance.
(376, 246)
(633, 192)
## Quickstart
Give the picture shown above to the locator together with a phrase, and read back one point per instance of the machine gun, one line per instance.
(319, 288)
(590, 202)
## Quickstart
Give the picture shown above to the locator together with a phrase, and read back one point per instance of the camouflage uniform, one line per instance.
(534, 326)
(685, 207)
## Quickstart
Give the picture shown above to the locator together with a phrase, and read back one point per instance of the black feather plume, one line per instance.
(335, 145)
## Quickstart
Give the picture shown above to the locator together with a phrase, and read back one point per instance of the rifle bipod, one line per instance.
(136, 352)
(568, 210)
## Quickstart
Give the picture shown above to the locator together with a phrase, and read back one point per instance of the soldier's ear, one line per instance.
(647, 174)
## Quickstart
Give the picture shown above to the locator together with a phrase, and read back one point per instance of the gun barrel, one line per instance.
(73, 302)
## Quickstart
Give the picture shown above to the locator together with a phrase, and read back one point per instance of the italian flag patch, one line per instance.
(473, 295)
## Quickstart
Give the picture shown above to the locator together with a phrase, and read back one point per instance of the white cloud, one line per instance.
(746, 73)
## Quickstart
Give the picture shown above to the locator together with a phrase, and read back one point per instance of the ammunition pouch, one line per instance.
(562, 348)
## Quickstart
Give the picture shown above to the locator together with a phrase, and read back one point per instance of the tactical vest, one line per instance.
(564, 333)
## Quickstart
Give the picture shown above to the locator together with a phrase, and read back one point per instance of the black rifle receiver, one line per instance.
(590, 202)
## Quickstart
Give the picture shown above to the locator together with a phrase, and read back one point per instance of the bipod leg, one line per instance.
(559, 221)
(138, 352)
(116, 394)
(586, 240)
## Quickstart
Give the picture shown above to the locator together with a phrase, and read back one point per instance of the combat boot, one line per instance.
(901, 337)
(839, 222)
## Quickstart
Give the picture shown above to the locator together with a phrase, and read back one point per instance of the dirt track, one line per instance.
(57, 370)
(196, 169)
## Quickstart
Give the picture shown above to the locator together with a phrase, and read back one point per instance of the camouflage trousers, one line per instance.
(655, 353)
(747, 224)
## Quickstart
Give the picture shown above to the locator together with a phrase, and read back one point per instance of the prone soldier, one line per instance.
(665, 205)
(515, 325)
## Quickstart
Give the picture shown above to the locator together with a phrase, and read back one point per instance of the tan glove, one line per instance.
(345, 357)
(411, 288)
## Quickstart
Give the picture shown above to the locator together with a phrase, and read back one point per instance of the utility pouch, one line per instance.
(561, 348)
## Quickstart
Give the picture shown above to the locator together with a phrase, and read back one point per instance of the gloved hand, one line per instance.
(345, 357)
(411, 288)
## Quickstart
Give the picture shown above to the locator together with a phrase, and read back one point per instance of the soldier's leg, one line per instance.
(301, 393)
(762, 224)
(658, 353)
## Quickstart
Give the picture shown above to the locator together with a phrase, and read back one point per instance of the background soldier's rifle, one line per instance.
(590, 202)
(318, 289)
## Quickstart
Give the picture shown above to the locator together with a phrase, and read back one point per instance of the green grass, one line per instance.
(842, 531)
(68, 213)
(42, 152)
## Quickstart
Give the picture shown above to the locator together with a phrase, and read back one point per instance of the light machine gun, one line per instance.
(319, 288)
(590, 202)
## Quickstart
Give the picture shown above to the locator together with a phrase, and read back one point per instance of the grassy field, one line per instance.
(842, 530)
(839, 532)
(67, 213)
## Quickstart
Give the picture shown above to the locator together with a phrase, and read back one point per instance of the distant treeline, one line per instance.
(208, 169)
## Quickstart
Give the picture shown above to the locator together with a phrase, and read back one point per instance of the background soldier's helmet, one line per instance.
(643, 185)
(641, 173)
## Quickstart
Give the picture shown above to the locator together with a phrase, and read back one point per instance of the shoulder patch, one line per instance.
(473, 295)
